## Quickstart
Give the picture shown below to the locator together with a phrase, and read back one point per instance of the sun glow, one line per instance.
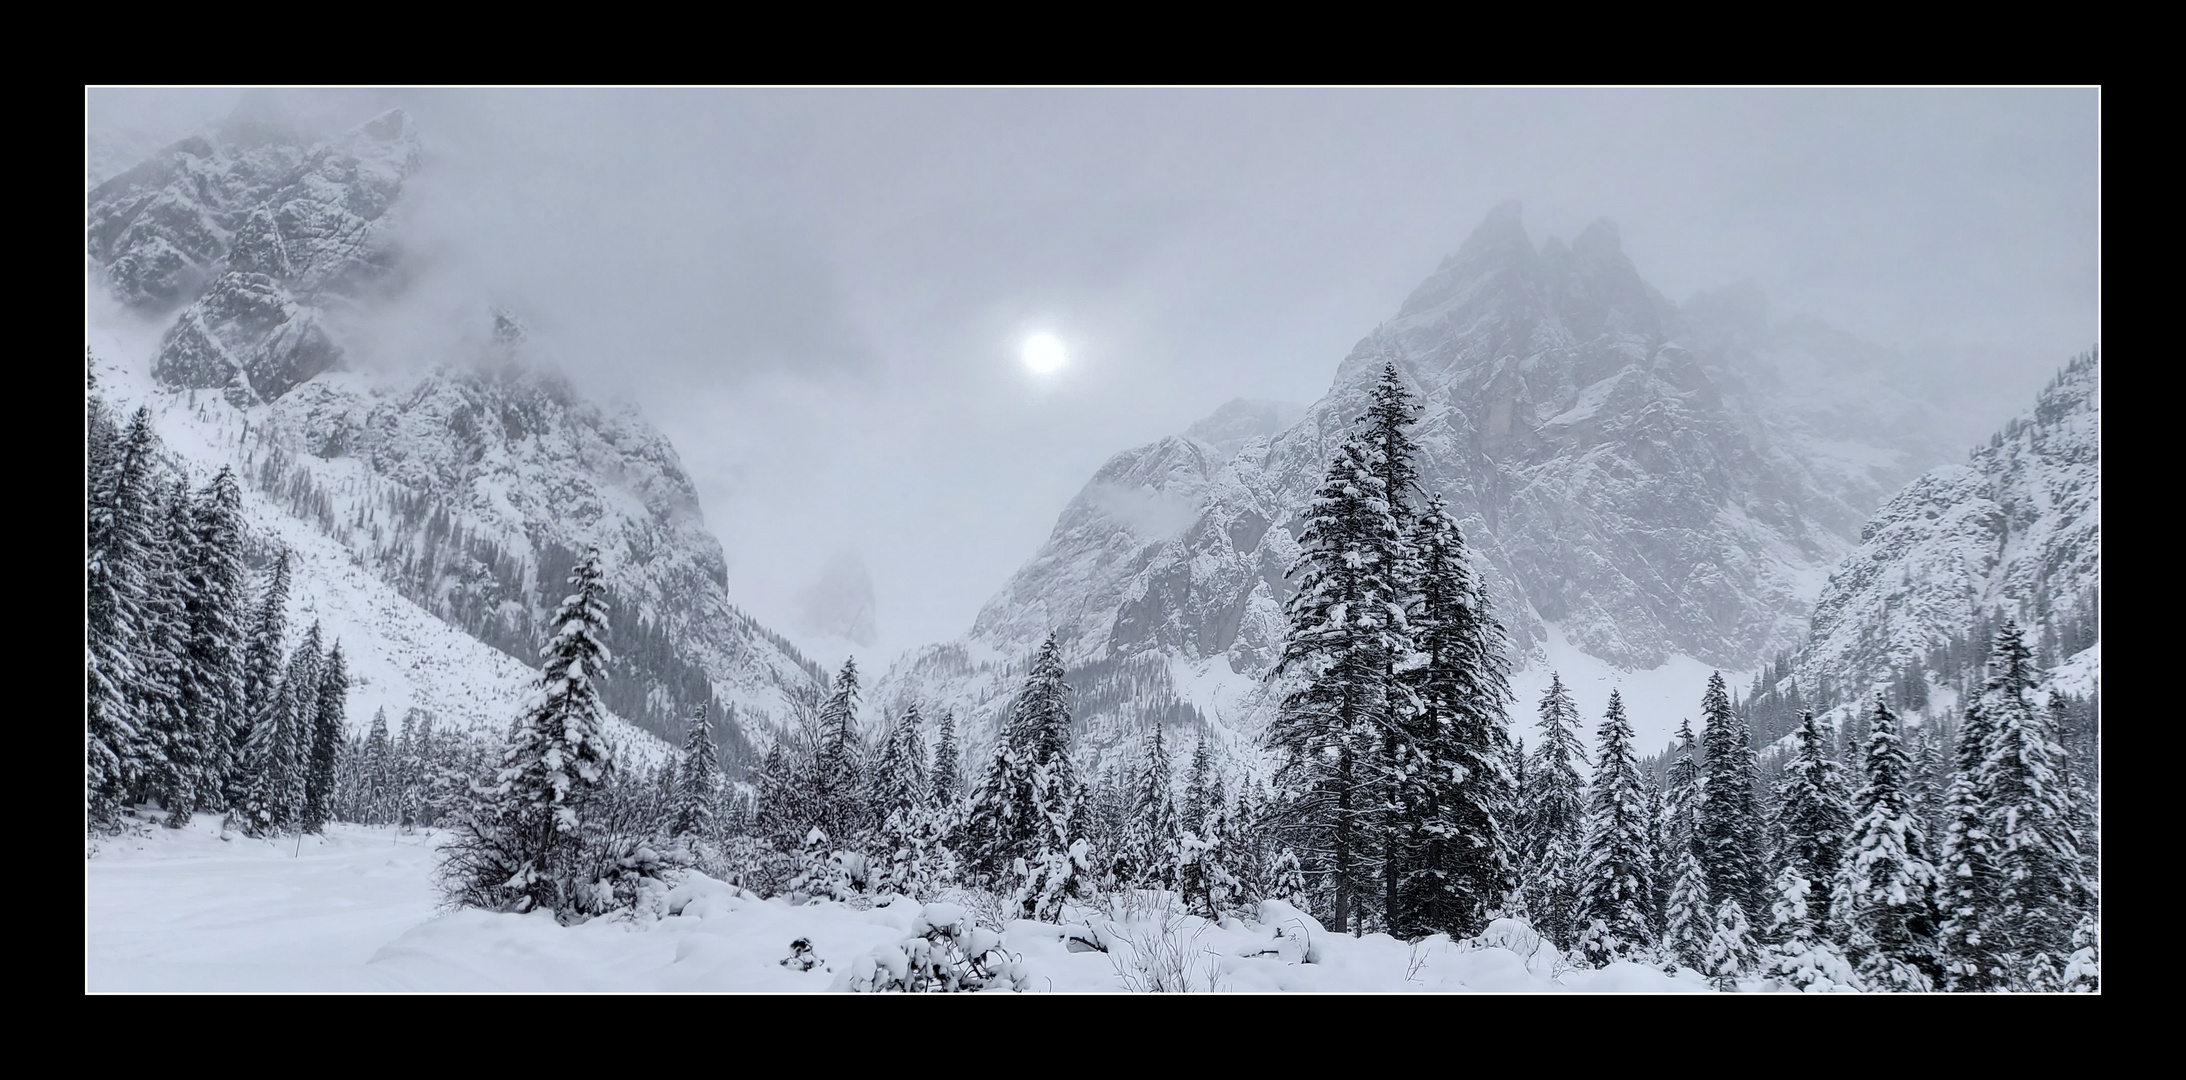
(1043, 353)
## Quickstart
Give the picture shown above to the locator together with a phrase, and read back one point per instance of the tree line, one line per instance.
(1399, 803)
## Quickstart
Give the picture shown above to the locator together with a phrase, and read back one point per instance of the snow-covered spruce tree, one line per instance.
(900, 781)
(782, 818)
(1153, 835)
(1109, 818)
(213, 643)
(1660, 861)
(913, 858)
(1928, 781)
(280, 749)
(1212, 875)
(1346, 630)
(1203, 874)
(698, 782)
(1884, 894)
(1555, 844)
(1688, 916)
(328, 722)
(1390, 410)
(1202, 788)
(1801, 958)
(378, 773)
(407, 773)
(1009, 819)
(1730, 815)
(174, 755)
(1453, 788)
(1970, 886)
(2028, 807)
(120, 539)
(1613, 886)
(1732, 954)
(262, 650)
(1815, 817)
(1060, 866)
(518, 849)
(2083, 972)
(838, 762)
(948, 773)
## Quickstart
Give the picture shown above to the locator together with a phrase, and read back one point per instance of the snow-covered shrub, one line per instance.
(986, 907)
(1801, 957)
(620, 867)
(1731, 951)
(1155, 945)
(828, 873)
(2083, 972)
(801, 957)
(749, 862)
(945, 952)
(1046, 881)
(915, 858)
(611, 864)
(1513, 935)
(1809, 964)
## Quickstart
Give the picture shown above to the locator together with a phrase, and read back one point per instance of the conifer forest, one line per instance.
(1572, 639)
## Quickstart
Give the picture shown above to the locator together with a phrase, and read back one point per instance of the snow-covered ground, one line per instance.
(1655, 699)
(355, 911)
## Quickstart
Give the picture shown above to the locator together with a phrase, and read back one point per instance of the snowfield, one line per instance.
(355, 911)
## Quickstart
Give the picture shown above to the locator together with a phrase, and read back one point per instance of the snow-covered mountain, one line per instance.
(1648, 485)
(468, 485)
(2016, 529)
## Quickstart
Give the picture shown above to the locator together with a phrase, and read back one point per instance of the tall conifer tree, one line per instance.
(1154, 833)
(262, 652)
(1337, 718)
(948, 770)
(120, 556)
(1730, 815)
(214, 635)
(1885, 888)
(518, 850)
(328, 723)
(175, 753)
(1688, 917)
(2030, 816)
(1555, 848)
(1615, 890)
(1815, 817)
(1013, 810)
(1970, 887)
(839, 761)
(1454, 789)
(698, 779)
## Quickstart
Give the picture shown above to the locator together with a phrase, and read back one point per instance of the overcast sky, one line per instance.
(820, 295)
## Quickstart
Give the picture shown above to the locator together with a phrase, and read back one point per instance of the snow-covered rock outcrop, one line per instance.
(1642, 481)
(2017, 529)
(470, 482)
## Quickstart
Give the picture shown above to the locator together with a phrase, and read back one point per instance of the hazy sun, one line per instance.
(1043, 353)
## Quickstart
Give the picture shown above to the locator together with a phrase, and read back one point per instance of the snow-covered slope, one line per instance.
(2016, 529)
(1657, 488)
(399, 656)
(467, 483)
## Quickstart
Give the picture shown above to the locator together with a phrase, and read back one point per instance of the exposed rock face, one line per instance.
(2016, 529)
(1654, 480)
(261, 233)
(472, 487)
